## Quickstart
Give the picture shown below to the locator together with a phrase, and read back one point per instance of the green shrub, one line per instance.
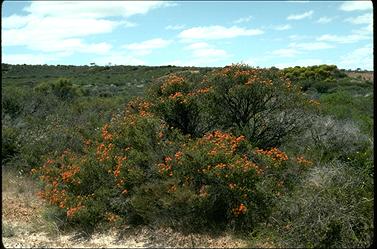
(88, 186)
(63, 89)
(9, 143)
(333, 207)
(178, 99)
(257, 103)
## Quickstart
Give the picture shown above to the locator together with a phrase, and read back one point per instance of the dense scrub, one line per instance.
(238, 148)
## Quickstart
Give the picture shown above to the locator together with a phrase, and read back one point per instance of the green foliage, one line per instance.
(331, 208)
(260, 104)
(321, 77)
(343, 105)
(63, 89)
(11, 101)
(199, 152)
(10, 146)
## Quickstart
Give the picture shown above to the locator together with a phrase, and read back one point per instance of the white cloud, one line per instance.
(359, 58)
(217, 32)
(311, 45)
(93, 9)
(352, 38)
(209, 52)
(32, 59)
(203, 54)
(62, 26)
(356, 5)
(283, 27)
(243, 19)
(197, 45)
(300, 16)
(324, 19)
(285, 52)
(298, 48)
(146, 47)
(297, 37)
(175, 27)
(54, 29)
(15, 21)
(127, 24)
(363, 19)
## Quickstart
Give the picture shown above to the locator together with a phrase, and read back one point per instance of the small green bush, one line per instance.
(333, 208)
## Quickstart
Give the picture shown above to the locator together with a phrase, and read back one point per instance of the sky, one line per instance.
(188, 33)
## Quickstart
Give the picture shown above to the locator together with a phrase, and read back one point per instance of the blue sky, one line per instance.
(189, 33)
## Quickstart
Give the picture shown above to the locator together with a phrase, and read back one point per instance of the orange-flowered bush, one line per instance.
(179, 101)
(169, 158)
(211, 175)
(90, 186)
(260, 104)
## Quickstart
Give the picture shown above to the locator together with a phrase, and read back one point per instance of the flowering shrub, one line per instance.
(172, 158)
(92, 187)
(179, 100)
(261, 104)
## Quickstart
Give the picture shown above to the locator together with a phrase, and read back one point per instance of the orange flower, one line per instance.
(314, 102)
(125, 192)
(232, 185)
(178, 155)
(274, 154)
(242, 209)
(303, 161)
(72, 211)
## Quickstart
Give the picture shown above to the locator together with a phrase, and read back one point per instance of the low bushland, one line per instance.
(238, 148)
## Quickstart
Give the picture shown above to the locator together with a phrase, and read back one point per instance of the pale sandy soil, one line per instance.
(24, 227)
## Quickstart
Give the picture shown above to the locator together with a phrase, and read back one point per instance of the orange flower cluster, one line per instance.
(67, 175)
(87, 142)
(106, 135)
(111, 217)
(176, 95)
(254, 79)
(120, 161)
(314, 102)
(248, 165)
(54, 196)
(220, 166)
(222, 141)
(224, 71)
(172, 188)
(274, 153)
(204, 90)
(303, 161)
(288, 83)
(232, 185)
(178, 155)
(72, 211)
(170, 81)
(203, 191)
(103, 151)
(242, 209)
(166, 167)
(245, 73)
(139, 106)
(200, 91)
